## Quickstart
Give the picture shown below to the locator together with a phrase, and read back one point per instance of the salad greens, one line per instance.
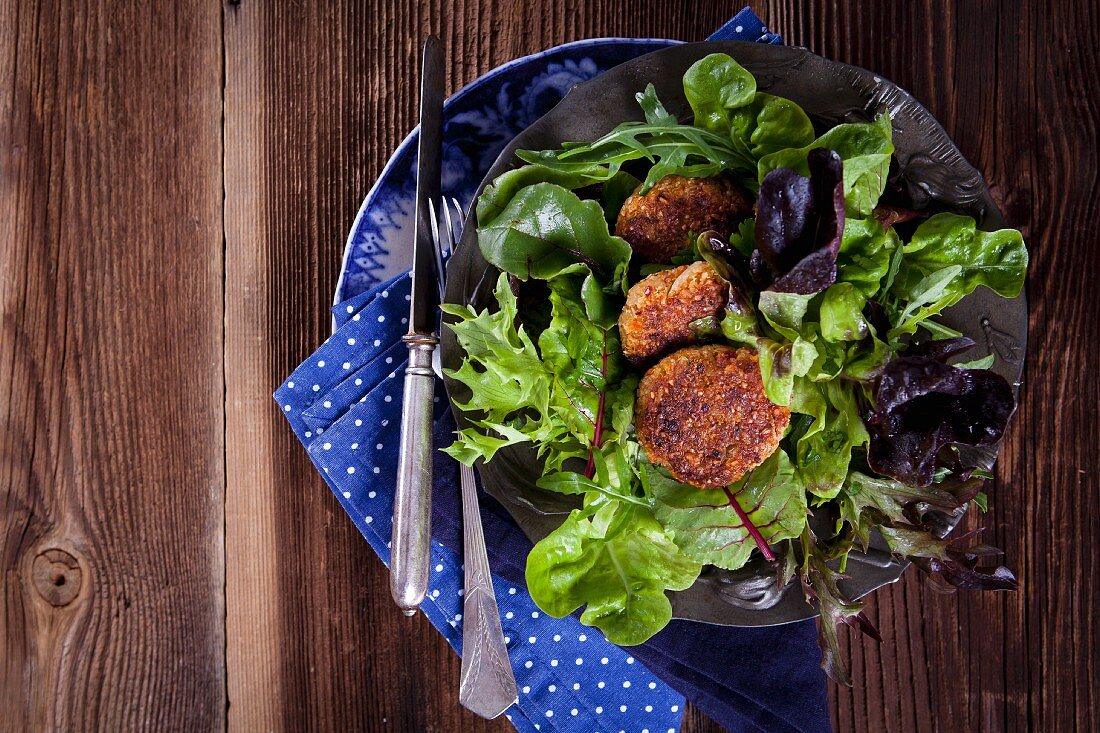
(840, 307)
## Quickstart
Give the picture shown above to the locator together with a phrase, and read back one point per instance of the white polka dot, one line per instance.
(653, 685)
(507, 640)
(286, 408)
(511, 592)
(404, 321)
(576, 685)
(675, 708)
(549, 713)
(599, 709)
(385, 293)
(327, 404)
(599, 685)
(526, 690)
(381, 319)
(439, 568)
(622, 708)
(371, 495)
(351, 342)
(358, 423)
(389, 359)
(377, 342)
(357, 383)
(347, 365)
(626, 683)
(377, 469)
(528, 664)
(370, 519)
(738, 29)
(355, 317)
(508, 615)
(552, 688)
(378, 447)
(603, 661)
(553, 663)
(630, 660)
(671, 730)
(309, 434)
(320, 430)
(557, 637)
(582, 637)
(435, 594)
(321, 363)
(351, 469)
(385, 423)
(354, 446)
(649, 708)
(407, 297)
(351, 308)
(316, 388)
(531, 639)
(579, 661)
(327, 446)
(573, 711)
(534, 614)
(347, 494)
(389, 398)
(290, 385)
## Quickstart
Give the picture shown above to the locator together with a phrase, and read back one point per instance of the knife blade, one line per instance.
(412, 511)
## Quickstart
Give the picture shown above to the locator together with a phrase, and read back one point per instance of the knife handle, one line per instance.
(412, 508)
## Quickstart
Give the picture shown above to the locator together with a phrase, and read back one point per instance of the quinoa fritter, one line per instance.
(702, 414)
(660, 223)
(659, 309)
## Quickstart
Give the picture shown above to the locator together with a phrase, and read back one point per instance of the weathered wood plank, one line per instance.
(111, 461)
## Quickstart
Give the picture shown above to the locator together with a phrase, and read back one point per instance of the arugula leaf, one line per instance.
(618, 562)
(865, 149)
(546, 229)
(715, 85)
(706, 525)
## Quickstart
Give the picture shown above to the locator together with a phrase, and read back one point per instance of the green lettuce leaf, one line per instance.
(707, 527)
(823, 452)
(865, 149)
(545, 230)
(947, 258)
(618, 563)
(714, 86)
(769, 124)
(866, 253)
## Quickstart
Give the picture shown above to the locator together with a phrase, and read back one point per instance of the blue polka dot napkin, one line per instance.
(343, 403)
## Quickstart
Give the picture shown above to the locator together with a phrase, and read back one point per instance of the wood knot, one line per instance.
(57, 576)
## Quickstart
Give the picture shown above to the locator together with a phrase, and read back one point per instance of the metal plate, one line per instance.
(929, 169)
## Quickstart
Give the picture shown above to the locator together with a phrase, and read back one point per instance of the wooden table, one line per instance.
(176, 182)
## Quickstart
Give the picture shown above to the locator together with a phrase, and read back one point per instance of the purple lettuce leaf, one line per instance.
(923, 405)
(799, 225)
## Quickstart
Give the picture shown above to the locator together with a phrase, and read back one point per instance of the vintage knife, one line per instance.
(412, 509)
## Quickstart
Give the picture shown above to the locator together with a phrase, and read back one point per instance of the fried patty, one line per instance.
(702, 414)
(660, 223)
(660, 308)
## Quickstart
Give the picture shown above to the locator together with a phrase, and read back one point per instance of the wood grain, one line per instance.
(177, 182)
(111, 461)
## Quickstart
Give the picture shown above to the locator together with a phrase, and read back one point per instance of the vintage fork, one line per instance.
(488, 686)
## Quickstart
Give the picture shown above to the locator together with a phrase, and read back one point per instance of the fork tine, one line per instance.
(450, 225)
(437, 240)
(459, 220)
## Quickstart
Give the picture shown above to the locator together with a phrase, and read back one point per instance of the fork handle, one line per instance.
(412, 509)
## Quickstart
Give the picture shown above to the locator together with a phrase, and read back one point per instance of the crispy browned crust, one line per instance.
(702, 414)
(659, 309)
(660, 223)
